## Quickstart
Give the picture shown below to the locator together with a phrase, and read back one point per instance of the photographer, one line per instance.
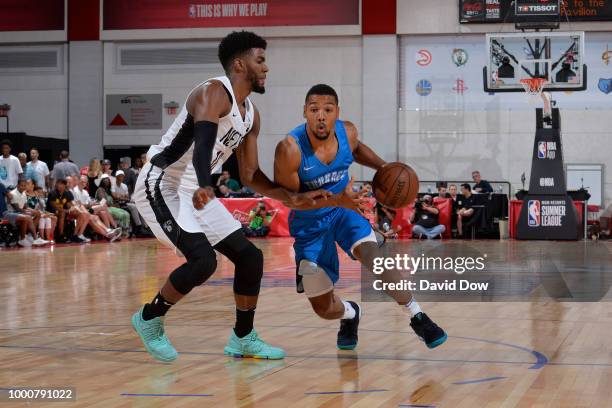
(259, 221)
(384, 219)
(426, 216)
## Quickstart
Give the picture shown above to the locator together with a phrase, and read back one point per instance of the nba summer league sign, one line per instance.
(461, 272)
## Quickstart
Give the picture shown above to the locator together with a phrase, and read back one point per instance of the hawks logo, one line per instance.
(423, 57)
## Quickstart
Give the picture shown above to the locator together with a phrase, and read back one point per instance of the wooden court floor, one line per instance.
(64, 322)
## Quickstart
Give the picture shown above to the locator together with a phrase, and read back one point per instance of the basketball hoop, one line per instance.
(534, 87)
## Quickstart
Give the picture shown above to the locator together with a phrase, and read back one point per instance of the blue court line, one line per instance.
(342, 392)
(165, 395)
(541, 359)
(480, 380)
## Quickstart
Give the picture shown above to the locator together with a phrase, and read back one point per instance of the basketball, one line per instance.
(396, 185)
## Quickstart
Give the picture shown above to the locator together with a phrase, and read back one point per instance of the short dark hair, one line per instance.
(237, 43)
(466, 186)
(64, 154)
(21, 179)
(34, 148)
(61, 181)
(441, 184)
(6, 142)
(322, 89)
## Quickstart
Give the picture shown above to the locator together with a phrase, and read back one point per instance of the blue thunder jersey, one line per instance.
(315, 175)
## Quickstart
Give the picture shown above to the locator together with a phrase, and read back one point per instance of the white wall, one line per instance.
(295, 65)
(447, 142)
(38, 99)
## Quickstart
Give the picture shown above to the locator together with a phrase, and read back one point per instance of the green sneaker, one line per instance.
(152, 334)
(251, 346)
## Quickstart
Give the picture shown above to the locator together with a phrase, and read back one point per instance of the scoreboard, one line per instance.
(506, 11)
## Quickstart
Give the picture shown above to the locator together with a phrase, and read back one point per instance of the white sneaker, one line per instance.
(24, 243)
(84, 238)
(113, 235)
(39, 242)
(29, 238)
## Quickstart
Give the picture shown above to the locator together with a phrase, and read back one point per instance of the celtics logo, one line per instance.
(460, 56)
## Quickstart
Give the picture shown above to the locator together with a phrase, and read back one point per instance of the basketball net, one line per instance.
(534, 87)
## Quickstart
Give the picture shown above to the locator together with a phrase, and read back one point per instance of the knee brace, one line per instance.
(249, 271)
(314, 279)
(194, 272)
(248, 262)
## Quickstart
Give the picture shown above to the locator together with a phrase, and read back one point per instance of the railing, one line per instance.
(429, 186)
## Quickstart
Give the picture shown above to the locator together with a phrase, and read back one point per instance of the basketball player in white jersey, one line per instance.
(217, 119)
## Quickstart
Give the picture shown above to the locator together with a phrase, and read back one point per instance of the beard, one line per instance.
(255, 84)
(319, 136)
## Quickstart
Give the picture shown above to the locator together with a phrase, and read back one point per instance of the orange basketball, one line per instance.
(396, 185)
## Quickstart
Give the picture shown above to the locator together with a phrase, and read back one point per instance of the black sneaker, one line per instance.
(347, 335)
(62, 240)
(76, 239)
(427, 330)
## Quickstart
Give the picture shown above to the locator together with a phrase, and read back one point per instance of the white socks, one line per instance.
(349, 311)
(413, 307)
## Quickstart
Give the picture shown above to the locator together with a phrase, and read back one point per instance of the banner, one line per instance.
(164, 14)
(134, 111)
(32, 15)
(497, 11)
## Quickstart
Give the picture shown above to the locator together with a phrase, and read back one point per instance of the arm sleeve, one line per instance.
(205, 135)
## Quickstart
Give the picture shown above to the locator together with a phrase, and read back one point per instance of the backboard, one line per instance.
(554, 56)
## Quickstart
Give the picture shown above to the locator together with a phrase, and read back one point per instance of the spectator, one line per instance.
(452, 192)
(125, 164)
(41, 170)
(225, 192)
(36, 201)
(465, 205)
(10, 168)
(82, 195)
(106, 168)
(259, 221)
(28, 171)
(93, 176)
(18, 200)
(60, 202)
(94, 222)
(225, 179)
(121, 195)
(143, 159)
(366, 189)
(104, 196)
(64, 168)
(384, 217)
(137, 165)
(481, 186)
(442, 192)
(23, 223)
(427, 221)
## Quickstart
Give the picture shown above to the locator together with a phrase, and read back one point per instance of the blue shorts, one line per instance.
(315, 238)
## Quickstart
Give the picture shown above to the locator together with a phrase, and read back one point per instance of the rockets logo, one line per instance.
(533, 217)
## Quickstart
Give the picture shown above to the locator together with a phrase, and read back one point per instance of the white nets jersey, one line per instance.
(174, 153)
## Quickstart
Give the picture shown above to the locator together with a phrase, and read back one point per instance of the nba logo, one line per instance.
(533, 207)
(192, 11)
(541, 150)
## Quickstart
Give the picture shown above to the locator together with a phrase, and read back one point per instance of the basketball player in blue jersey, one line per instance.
(317, 155)
(217, 119)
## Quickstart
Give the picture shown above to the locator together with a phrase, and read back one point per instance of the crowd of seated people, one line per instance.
(66, 204)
